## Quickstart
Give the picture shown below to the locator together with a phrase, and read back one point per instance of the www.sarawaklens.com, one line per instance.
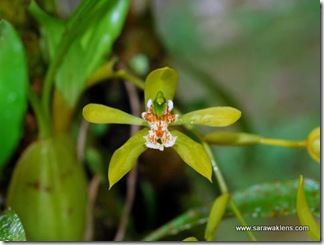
(272, 228)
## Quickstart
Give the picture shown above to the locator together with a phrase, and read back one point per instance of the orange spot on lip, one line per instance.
(159, 132)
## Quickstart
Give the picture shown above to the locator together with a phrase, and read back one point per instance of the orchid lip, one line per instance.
(159, 136)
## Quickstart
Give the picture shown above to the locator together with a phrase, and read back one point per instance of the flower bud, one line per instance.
(313, 144)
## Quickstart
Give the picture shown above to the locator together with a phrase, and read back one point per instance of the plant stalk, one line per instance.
(224, 189)
(221, 182)
(44, 129)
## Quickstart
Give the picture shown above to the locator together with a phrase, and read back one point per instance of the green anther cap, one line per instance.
(159, 104)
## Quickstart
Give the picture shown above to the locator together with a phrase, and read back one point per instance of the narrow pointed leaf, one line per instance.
(51, 29)
(13, 89)
(305, 215)
(214, 116)
(193, 154)
(231, 138)
(97, 113)
(164, 80)
(124, 159)
(89, 37)
(215, 216)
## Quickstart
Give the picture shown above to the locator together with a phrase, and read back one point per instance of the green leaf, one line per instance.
(193, 154)
(163, 80)
(231, 138)
(215, 216)
(11, 228)
(94, 27)
(214, 116)
(48, 190)
(305, 215)
(183, 222)
(97, 113)
(51, 29)
(276, 199)
(124, 158)
(13, 90)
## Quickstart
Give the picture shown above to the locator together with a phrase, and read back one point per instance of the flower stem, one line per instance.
(284, 143)
(73, 28)
(106, 72)
(218, 174)
(224, 189)
(239, 216)
(50, 77)
(221, 182)
(35, 103)
(123, 74)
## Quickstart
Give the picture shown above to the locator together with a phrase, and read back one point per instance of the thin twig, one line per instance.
(82, 137)
(93, 184)
(132, 176)
(92, 194)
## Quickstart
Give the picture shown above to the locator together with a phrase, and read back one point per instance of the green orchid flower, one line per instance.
(160, 87)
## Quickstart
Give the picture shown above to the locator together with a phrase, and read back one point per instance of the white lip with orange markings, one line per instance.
(159, 136)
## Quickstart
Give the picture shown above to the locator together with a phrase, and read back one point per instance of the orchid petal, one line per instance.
(124, 158)
(163, 80)
(96, 113)
(214, 116)
(193, 154)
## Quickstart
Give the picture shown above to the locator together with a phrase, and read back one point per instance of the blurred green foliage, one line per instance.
(13, 90)
(266, 56)
(265, 200)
